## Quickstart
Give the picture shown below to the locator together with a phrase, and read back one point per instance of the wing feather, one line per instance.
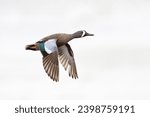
(50, 64)
(66, 58)
(50, 59)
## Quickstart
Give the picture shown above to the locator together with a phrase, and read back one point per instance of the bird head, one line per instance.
(81, 33)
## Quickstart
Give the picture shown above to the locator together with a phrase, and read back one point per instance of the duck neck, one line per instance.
(76, 35)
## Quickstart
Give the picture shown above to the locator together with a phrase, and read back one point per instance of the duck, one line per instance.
(55, 48)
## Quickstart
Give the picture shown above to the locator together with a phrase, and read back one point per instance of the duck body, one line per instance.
(55, 47)
(61, 38)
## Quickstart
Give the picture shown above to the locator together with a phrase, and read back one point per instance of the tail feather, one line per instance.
(31, 47)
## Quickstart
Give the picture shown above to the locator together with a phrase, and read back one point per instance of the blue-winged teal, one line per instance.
(56, 47)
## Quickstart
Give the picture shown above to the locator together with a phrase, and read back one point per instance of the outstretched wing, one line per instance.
(50, 59)
(66, 58)
(51, 66)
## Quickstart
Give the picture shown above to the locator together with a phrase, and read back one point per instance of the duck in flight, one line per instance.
(55, 47)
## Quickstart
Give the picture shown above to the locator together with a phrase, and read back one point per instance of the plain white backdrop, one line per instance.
(114, 64)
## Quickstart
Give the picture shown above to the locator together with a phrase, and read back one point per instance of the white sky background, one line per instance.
(114, 64)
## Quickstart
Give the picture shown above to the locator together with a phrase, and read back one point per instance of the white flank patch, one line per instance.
(50, 46)
(83, 33)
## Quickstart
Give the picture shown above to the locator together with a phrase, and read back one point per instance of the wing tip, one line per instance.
(75, 76)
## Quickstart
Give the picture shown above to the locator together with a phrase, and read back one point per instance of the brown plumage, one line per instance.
(55, 47)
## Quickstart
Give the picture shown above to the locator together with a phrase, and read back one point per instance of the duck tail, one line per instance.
(33, 47)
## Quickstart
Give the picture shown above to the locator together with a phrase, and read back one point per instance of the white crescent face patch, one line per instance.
(50, 46)
(83, 34)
